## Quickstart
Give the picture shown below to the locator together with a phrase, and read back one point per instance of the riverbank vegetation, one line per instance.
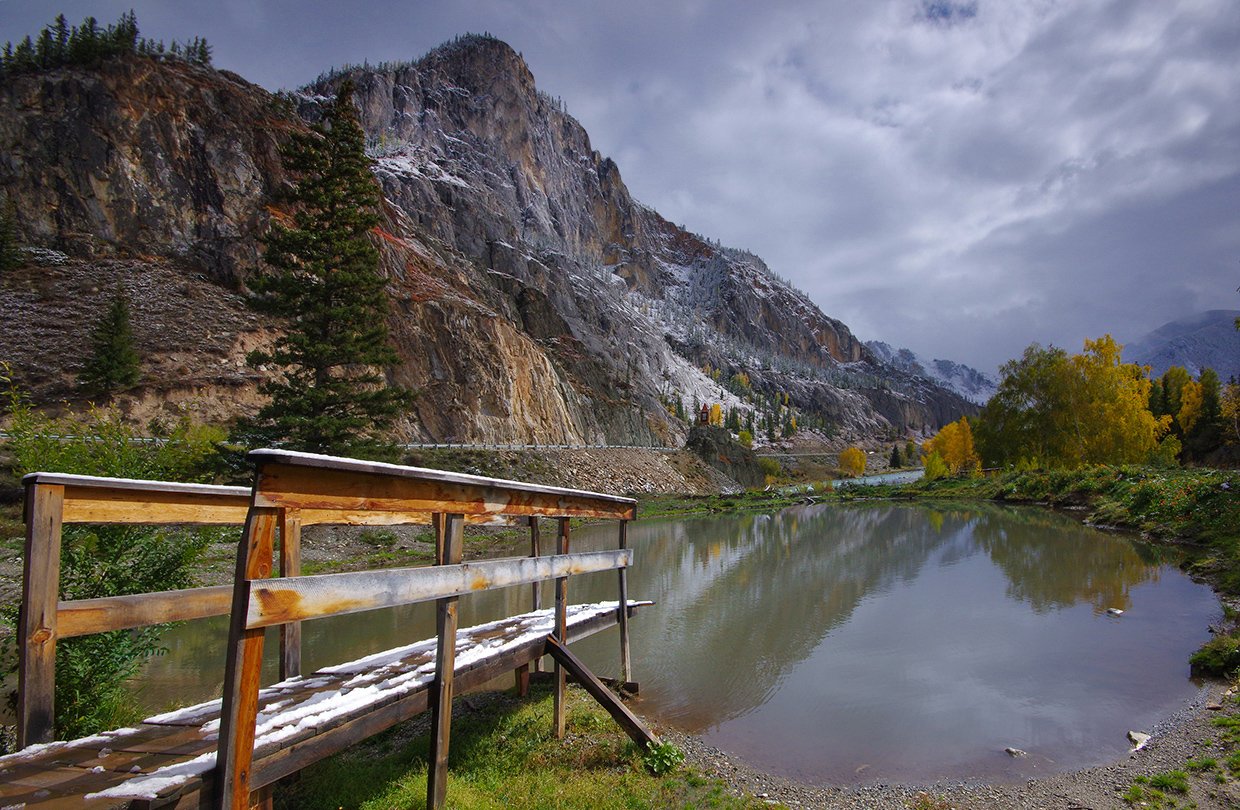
(504, 755)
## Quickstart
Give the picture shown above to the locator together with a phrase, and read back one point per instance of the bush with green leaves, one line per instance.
(101, 561)
(662, 757)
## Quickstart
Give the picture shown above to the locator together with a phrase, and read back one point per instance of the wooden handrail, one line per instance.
(276, 601)
(307, 481)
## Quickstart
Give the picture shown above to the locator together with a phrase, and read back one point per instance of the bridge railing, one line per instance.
(307, 483)
(53, 500)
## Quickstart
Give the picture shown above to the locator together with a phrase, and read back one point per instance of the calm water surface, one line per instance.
(854, 643)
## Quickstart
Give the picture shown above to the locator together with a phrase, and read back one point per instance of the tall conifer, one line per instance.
(113, 363)
(325, 284)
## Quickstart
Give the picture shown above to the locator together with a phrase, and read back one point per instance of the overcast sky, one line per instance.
(961, 178)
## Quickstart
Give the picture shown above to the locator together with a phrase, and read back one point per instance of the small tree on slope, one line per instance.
(113, 363)
(326, 285)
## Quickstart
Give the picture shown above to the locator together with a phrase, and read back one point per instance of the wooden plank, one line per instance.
(37, 626)
(381, 469)
(274, 601)
(628, 721)
(622, 612)
(153, 508)
(561, 631)
(272, 766)
(85, 616)
(445, 670)
(243, 666)
(137, 484)
(388, 488)
(290, 566)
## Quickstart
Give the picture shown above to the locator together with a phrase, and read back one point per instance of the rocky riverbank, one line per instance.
(1190, 735)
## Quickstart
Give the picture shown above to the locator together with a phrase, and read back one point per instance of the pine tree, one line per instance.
(113, 361)
(326, 285)
(896, 462)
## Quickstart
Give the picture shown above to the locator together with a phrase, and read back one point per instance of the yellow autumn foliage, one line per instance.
(954, 445)
(852, 461)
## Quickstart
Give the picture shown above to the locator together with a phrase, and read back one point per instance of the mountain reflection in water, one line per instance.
(855, 642)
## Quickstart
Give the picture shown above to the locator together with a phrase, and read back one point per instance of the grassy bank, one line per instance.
(1198, 510)
(504, 755)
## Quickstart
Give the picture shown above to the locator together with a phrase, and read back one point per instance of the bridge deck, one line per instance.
(169, 759)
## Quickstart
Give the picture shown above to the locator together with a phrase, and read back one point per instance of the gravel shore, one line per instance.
(1187, 735)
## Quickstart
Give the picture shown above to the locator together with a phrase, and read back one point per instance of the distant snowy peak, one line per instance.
(966, 381)
(1206, 340)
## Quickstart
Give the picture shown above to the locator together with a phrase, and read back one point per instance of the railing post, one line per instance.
(36, 628)
(290, 566)
(243, 668)
(536, 588)
(448, 542)
(561, 628)
(626, 665)
(523, 671)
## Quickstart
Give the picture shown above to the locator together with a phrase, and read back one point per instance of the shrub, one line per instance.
(661, 758)
(1219, 656)
(108, 560)
(852, 461)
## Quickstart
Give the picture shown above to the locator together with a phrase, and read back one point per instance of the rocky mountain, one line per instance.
(1206, 340)
(968, 382)
(534, 300)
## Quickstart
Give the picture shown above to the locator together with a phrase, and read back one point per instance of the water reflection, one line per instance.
(857, 642)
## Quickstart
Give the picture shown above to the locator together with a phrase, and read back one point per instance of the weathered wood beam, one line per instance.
(95, 499)
(82, 617)
(290, 566)
(628, 721)
(559, 705)
(37, 629)
(275, 601)
(306, 481)
(626, 664)
(445, 668)
(243, 666)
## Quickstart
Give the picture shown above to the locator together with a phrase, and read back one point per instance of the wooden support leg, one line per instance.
(561, 629)
(535, 588)
(290, 566)
(445, 667)
(523, 680)
(626, 665)
(36, 628)
(244, 666)
(627, 720)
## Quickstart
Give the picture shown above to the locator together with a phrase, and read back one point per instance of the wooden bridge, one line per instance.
(228, 752)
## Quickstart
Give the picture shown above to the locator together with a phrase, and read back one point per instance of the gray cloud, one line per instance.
(963, 178)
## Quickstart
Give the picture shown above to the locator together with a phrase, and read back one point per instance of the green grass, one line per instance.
(504, 755)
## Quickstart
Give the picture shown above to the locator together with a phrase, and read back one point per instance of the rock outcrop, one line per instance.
(534, 300)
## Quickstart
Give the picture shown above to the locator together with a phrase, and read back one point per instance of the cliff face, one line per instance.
(533, 299)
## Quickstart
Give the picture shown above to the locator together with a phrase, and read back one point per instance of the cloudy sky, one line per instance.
(962, 177)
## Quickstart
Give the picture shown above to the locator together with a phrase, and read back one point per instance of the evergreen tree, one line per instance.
(896, 462)
(113, 361)
(1206, 433)
(325, 284)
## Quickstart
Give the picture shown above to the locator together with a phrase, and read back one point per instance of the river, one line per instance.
(855, 643)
